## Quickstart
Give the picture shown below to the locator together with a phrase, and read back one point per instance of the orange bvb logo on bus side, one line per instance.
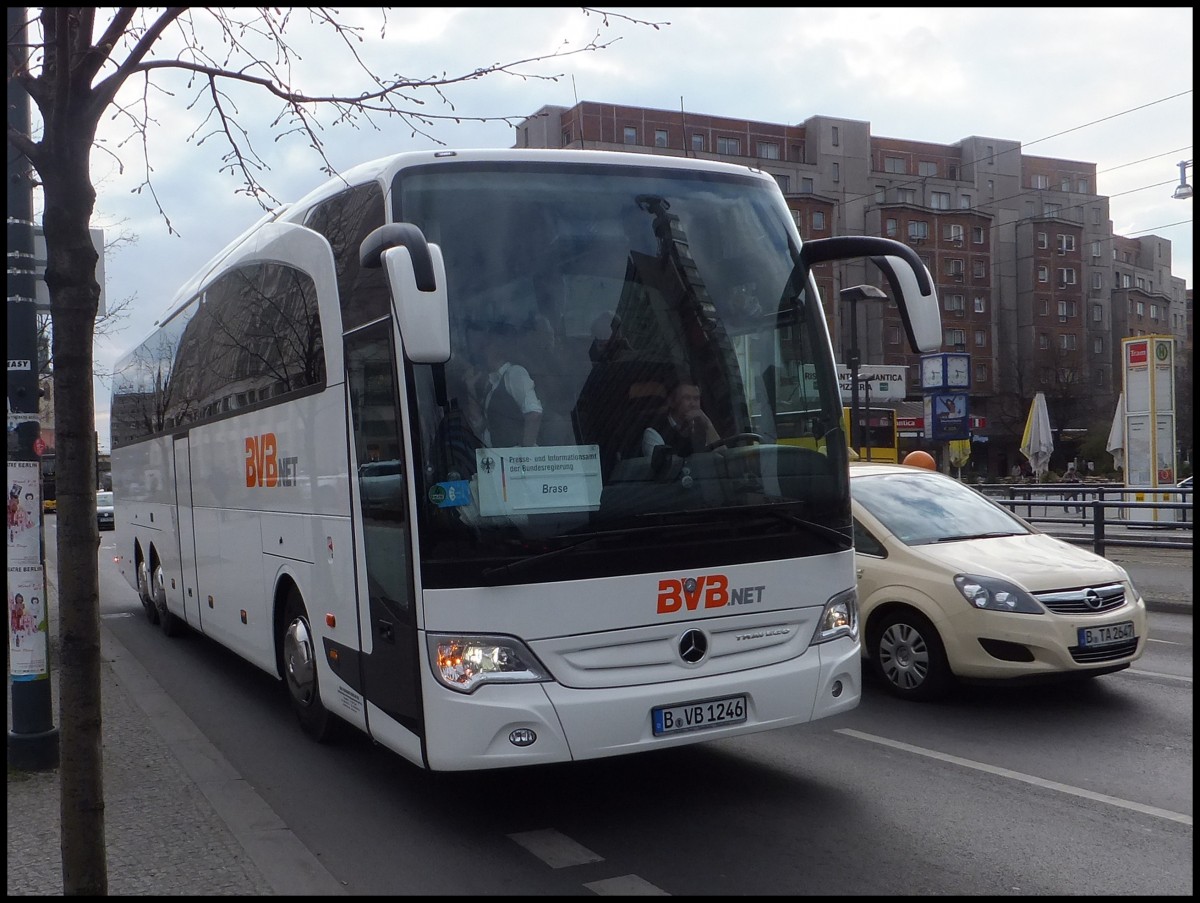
(264, 466)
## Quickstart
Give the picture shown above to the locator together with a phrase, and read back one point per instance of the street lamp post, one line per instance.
(1183, 190)
(854, 294)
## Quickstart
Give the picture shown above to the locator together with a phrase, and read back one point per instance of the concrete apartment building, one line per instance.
(1032, 281)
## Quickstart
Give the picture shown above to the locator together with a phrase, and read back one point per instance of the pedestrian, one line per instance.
(1072, 495)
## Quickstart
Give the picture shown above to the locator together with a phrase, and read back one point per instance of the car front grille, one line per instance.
(1084, 600)
(1084, 655)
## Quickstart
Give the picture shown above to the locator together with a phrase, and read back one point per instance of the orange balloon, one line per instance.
(920, 459)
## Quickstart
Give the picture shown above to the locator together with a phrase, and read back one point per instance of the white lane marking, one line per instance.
(1017, 776)
(1141, 672)
(1151, 639)
(555, 849)
(625, 886)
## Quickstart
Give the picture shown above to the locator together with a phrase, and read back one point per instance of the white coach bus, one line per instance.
(389, 447)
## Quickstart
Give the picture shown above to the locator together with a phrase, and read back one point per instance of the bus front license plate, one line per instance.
(694, 716)
(1106, 635)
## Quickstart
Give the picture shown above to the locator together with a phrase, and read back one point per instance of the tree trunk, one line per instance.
(74, 297)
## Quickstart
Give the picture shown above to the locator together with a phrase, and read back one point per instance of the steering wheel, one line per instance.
(735, 439)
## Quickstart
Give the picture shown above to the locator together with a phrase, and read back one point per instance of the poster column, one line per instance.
(1149, 386)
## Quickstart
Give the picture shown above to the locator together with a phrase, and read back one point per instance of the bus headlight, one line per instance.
(839, 619)
(463, 663)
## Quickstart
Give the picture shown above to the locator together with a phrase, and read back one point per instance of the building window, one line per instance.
(1096, 216)
(991, 186)
(1064, 183)
(991, 154)
(1097, 313)
(660, 138)
(1066, 275)
(980, 338)
(566, 137)
(906, 195)
(1044, 306)
(818, 220)
(837, 172)
(1042, 241)
(1141, 282)
(939, 200)
(1043, 340)
(1095, 249)
(977, 235)
(918, 229)
(890, 228)
(980, 306)
(979, 269)
(784, 183)
(1141, 308)
(953, 303)
(1083, 186)
(953, 233)
(954, 267)
(981, 373)
(880, 194)
(1066, 341)
(697, 141)
(1066, 242)
(806, 186)
(1040, 182)
(1049, 209)
(964, 202)
(893, 335)
(768, 150)
(1043, 274)
(797, 153)
(1153, 311)
(1097, 280)
(1099, 378)
(894, 164)
(837, 136)
(927, 168)
(630, 135)
(729, 146)
(1097, 345)
(956, 338)
(1066, 310)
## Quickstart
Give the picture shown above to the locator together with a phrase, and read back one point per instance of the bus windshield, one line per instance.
(585, 302)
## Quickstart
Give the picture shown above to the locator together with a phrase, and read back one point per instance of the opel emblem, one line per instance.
(1092, 599)
(693, 646)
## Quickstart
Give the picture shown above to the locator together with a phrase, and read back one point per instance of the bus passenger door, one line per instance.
(187, 536)
(387, 602)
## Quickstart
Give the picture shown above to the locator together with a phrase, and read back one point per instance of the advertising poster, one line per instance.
(27, 624)
(24, 513)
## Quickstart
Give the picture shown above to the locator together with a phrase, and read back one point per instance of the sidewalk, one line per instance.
(178, 818)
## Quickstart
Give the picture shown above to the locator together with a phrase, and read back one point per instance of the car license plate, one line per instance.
(1106, 635)
(694, 716)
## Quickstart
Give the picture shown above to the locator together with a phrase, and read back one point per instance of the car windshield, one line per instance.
(920, 508)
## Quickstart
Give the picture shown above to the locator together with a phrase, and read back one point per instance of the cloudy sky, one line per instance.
(1108, 86)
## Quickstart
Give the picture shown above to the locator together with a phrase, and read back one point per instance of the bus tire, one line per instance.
(298, 645)
(171, 625)
(143, 589)
(908, 656)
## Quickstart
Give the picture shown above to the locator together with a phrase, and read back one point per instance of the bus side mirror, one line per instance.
(416, 276)
(906, 274)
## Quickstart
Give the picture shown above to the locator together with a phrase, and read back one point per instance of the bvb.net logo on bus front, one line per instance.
(264, 466)
(712, 590)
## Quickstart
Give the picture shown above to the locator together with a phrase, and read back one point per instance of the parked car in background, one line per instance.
(954, 587)
(104, 511)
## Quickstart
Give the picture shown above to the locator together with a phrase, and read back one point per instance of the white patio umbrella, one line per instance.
(1037, 442)
(1116, 435)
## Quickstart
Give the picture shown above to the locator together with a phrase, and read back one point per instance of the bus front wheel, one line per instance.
(171, 625)
(300, 671)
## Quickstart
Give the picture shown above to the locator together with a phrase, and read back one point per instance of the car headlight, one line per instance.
(995, 594)
(839, 619)
(464, 663)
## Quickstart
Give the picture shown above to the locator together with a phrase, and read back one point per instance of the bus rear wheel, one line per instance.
(299, 651)
(143, 589)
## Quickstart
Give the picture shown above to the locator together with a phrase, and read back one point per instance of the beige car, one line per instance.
(954, 587)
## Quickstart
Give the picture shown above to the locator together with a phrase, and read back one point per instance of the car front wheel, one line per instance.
(909, 657)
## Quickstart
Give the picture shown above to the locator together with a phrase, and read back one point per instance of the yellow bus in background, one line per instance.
(879, 441)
